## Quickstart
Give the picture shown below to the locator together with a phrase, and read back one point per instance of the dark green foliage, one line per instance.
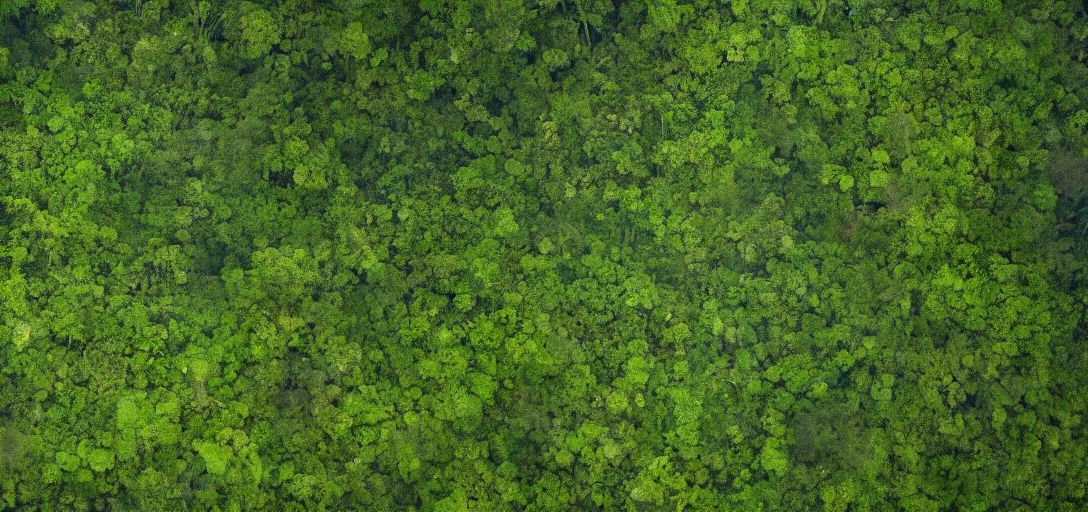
(492, 255)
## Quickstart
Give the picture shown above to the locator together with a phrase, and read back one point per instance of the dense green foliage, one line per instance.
(642, 255)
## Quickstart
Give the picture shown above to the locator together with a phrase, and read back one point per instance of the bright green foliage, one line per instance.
(543, 255)
(215, 457)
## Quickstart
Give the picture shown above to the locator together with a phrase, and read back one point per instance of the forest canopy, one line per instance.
(543, 255)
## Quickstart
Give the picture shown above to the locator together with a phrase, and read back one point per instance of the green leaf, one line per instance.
(100, 460)
(846, 182)
(216, 457)
(878, 179)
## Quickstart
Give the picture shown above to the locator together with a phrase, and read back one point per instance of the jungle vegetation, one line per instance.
(543, 255)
